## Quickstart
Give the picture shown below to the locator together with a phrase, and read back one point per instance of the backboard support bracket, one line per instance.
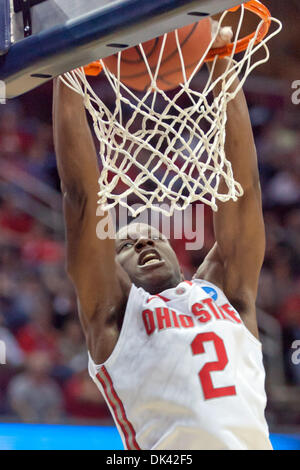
(18, 4)
(25, 5)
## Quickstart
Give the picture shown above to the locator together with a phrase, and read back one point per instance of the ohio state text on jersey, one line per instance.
(185, 373)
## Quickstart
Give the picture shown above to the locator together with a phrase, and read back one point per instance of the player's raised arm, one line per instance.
(238, 255)
(90, 260)
(239, 226)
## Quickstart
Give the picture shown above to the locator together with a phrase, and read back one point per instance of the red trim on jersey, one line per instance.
(118, 409)
(163, 298)
(155, 297)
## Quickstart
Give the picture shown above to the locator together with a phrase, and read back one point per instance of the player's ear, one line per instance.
(182, 275)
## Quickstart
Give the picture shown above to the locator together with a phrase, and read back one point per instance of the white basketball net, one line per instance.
(163, 152)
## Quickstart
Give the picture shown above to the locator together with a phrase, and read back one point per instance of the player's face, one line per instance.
(148, 258)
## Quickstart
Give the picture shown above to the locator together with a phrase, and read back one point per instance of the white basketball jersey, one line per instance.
(185, 373)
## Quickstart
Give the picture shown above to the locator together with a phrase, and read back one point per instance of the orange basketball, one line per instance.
(194, 40)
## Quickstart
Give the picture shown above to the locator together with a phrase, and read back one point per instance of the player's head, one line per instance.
(148, 258)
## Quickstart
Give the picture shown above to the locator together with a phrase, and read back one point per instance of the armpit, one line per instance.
(211, 271)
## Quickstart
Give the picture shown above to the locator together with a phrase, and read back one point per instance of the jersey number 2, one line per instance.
(209, 390)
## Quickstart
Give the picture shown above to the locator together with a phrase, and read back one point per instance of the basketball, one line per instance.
(194, 40)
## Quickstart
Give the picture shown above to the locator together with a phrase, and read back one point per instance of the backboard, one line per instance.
(41, 39)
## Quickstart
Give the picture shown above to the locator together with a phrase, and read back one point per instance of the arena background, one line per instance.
(45, 380)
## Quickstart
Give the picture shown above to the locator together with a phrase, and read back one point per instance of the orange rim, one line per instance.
(254, 6)
(93, 69)
(260, 10)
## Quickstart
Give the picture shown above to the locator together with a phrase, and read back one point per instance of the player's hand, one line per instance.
(224, 37)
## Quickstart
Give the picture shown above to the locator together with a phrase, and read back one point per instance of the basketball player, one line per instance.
(178, 361)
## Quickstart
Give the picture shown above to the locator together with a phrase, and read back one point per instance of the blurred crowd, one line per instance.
(45, 378)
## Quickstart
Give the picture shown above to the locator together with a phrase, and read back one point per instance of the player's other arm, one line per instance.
(90, 261)
(239, 228)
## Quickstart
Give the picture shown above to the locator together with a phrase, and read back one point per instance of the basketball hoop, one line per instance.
(95, 68)
(241, 45)
(165, 152)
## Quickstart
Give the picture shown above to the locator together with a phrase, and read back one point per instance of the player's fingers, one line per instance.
(223, 35)
(226, 34)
